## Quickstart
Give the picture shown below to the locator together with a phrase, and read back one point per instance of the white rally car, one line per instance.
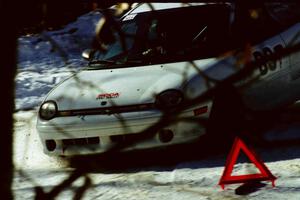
(121, 93)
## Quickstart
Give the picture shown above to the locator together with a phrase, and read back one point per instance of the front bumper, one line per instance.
(98, 133)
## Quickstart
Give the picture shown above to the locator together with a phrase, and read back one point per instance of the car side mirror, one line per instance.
(88, 54)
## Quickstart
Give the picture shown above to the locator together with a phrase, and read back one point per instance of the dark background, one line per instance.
(38, 15)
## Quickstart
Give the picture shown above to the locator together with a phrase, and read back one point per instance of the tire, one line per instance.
(227, 117)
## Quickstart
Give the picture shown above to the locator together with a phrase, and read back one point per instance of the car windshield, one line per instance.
(115, 50)
(171, 35)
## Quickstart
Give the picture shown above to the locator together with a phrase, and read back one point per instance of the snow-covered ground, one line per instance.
(46, 59)
(193, 179)
(42, 65)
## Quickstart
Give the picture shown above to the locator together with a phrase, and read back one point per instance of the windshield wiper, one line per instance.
(131, 62)
(112, 62)
(102, 62)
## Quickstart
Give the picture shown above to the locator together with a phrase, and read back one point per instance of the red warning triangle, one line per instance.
(227, 178)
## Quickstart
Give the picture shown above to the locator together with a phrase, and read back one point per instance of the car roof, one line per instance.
(147, 7)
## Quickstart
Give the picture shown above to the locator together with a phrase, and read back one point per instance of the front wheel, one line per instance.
(227, 117)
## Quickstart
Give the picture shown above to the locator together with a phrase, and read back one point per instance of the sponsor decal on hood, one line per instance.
(108, 95)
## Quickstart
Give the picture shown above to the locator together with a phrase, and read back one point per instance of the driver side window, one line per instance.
(253, 25)
(190, 32)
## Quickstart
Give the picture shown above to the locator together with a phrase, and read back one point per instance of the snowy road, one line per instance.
(192, 179)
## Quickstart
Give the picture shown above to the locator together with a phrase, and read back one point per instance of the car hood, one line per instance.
(123, 86)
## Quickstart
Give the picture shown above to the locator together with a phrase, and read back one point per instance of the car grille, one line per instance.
(127, 138)
(107, 110)
(81, 141)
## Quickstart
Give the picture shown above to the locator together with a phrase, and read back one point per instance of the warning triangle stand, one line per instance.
(227, 178)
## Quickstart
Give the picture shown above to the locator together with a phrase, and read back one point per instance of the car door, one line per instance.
(262, 32)
(288, 16)
(270, 90)
(291, 38)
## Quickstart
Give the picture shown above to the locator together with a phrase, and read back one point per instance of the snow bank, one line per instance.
(46, 59)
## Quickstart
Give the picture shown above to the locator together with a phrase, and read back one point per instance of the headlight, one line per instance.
(169, 99)
(48, 110)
